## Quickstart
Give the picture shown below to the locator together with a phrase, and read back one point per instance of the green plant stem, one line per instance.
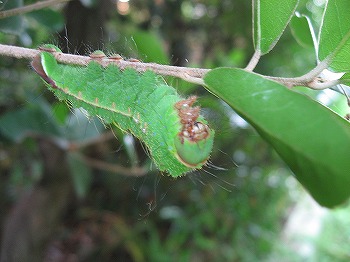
(30, 8)
(193, 75)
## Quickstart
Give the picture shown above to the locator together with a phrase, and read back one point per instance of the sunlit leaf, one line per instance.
(334, 39)
(345, 79)
(313, 140)
(270, 18)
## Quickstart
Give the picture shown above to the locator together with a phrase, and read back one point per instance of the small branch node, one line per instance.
(191, 79)
(319, 83)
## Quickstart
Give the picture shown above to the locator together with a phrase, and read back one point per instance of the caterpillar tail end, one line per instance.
(194, 153)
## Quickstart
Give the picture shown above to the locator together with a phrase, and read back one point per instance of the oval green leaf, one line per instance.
(334, 38)
(302, 30)
(270, 18)
(313, 140)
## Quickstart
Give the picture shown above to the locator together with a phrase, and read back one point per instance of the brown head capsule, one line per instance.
(191, 128)
(187, 113)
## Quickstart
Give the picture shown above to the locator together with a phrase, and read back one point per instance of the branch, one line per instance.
(193, 75)
(73, 146)
(114, 168)
(30, 8)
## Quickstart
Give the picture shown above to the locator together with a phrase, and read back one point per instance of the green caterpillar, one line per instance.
(176, 135)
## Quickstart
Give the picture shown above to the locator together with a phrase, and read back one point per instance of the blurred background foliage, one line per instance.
(72, 190)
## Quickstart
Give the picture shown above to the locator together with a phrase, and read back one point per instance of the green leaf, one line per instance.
(15, 24)
(150, 47)
(334, 39)
(49, 18)
(270, 18)
(302, 30)
(345, 79)
(81, 174)
(60, 111)
(310, 138)
(16, 125)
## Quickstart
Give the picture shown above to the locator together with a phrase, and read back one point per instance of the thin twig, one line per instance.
(345, 94)
(310, 79)
(96, 140)
(114, 168)
(253, 61)
(194, 75)
(29, 8)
